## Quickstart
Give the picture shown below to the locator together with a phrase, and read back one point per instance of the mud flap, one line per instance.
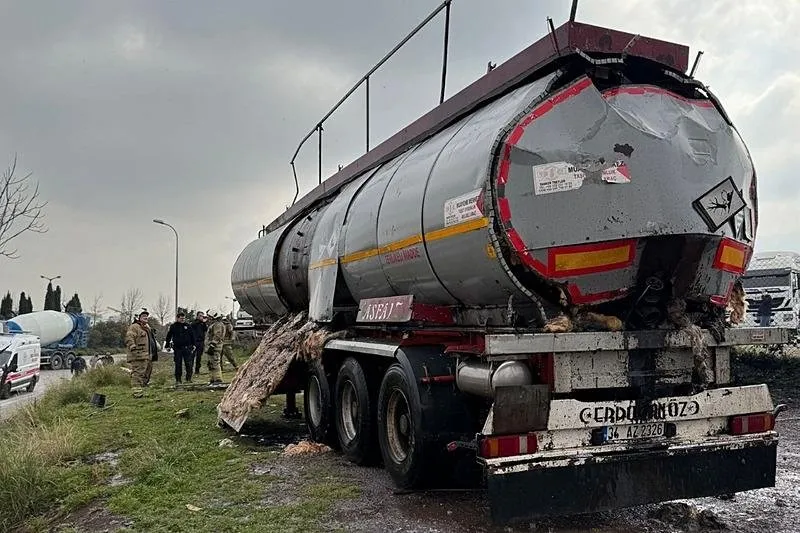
(528, 490)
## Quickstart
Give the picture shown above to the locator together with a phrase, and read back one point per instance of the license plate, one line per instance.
(635, 431)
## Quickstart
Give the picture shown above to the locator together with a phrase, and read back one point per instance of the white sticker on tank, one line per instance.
(556, 177)
(617, 173)
(462, 208)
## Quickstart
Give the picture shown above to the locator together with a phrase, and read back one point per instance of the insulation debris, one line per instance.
(584, 321)
(559, 324)
(737, 305)
(676, 312)
(305, 447)
(291, 338)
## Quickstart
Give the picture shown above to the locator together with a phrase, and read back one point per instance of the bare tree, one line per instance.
(131, 302)
(95, 309)
(162, 308)
(20, 209)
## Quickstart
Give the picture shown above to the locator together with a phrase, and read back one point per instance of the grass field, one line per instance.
(137, 464)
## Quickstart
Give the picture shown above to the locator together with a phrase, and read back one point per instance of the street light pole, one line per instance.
(233, 306)
(159, 221)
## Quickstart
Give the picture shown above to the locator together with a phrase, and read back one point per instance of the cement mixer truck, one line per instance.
(534, 275)
(60, 334)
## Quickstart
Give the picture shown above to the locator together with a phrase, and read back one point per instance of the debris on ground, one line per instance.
(182, 413)
(305, 447)
(226, 443)
(193, 508)
(688, 517)
(291, 338)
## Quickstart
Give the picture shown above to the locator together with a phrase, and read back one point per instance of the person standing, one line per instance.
(199, 327)
(214, 339)
(227, 343)
(181, 338)
(139, 343)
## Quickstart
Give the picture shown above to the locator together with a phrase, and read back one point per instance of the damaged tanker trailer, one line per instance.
(535, 273)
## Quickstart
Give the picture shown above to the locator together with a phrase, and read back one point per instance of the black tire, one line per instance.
(356, 414)
(402, 445)
(318, 405)
(57, 361)
(69, 360)
(32, 384)
(5, 391)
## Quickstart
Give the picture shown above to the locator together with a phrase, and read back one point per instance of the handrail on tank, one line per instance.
(365, 79)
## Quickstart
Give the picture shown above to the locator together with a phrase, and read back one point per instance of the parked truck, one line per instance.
(776, 275)
(535, 274)
(60, 334)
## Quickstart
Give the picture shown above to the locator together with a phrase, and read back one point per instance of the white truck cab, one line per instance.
(776, 274)
(20, 355)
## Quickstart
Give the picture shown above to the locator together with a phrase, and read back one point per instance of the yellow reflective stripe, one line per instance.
(593, 259)
(254, 283)
(732, 256)
(435, 235)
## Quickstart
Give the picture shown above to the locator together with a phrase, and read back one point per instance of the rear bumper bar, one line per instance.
(526, 490)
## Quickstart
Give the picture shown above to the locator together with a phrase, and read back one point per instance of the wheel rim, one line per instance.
(398, 426)
(315, 401)
(348, 411)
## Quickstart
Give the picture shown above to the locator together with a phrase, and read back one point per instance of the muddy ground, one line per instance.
(378, 508)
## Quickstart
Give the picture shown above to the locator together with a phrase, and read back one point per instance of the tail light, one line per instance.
(746, 424)
(508, 445)
(590, 258)
(731, 256)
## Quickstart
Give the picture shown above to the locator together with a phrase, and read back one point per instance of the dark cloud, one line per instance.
(190, 111)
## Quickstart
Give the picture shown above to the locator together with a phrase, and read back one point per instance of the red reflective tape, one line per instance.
(515, 136)
(639, 90)
(504, 208)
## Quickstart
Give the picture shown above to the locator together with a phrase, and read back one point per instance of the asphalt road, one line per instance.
(47, 378)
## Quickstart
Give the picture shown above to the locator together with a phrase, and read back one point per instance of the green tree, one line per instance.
(74, 305)
(57, 299)
(7, 307)
(25, 306)
(50, 302)
(108, 334)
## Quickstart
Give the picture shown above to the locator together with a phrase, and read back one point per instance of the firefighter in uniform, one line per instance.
(230, 337)
(214, 340)
(138, 341)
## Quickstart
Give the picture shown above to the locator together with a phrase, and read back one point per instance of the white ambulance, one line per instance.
(20, 355)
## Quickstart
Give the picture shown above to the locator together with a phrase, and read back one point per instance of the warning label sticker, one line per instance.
(556, 177)
(462, 208)
(618, 173)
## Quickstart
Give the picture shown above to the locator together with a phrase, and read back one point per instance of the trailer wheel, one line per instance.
(69, 359)
(57, 361)
(399, 429)
(32, 384)
(355, 414)
(317, 405)
(5, 391)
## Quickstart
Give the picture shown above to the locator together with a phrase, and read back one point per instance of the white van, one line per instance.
(776, 274)
(20, 355)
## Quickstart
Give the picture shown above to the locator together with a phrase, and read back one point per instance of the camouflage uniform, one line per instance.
(214, 339)
(230, 336)
(137, 342)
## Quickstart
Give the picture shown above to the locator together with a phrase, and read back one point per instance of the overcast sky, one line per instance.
(190, 110)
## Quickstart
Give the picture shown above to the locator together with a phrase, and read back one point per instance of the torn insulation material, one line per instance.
(291, 338)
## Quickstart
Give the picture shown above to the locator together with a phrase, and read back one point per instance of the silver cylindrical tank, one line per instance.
(483, 378)
(555, 186)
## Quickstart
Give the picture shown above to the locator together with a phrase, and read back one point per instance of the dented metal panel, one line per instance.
(457, 236)
(324, 254)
